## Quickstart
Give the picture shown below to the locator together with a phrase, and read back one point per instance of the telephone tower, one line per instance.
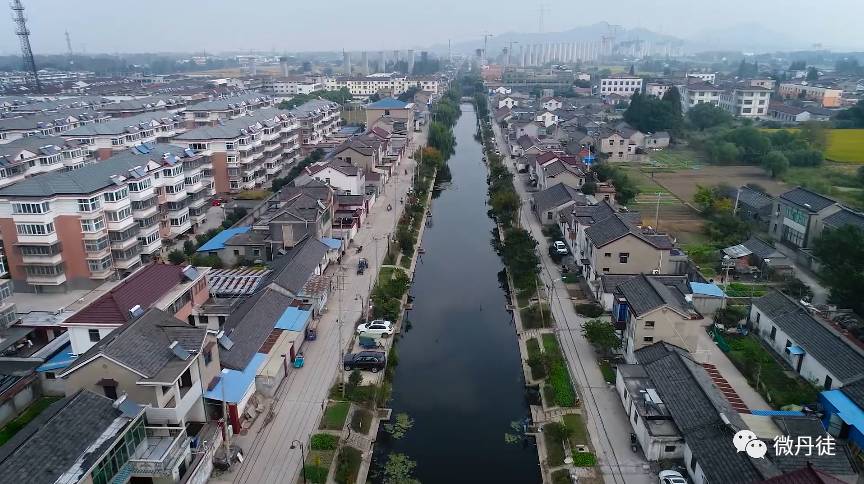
(24, 36)
(69, 49)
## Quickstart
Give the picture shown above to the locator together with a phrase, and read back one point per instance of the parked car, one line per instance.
(671, 477)
(378, 327)
(560, 247)
(373, 361)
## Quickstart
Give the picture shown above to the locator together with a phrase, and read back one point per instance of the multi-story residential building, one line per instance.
(8, 310)
(657, 88)
(709, 77)
(318, 119)
(698, 93)
(393, 84)
(797, 217)
(292, 86)
(825, 96)
(249, 151)
(211, 113)
(764, 83)
(78, 228)
(47, 124)
(104, 139)
(103, 441)
(34, 155)
(95, 103)
(746, 101)
(392, 107)
(133, 107)
(623, 85)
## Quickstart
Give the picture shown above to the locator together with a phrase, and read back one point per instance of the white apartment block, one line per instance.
(318, 120)
(291, 87)
(209, 113)
(34, 155)
(104, 139)
(621, 85)
(700, 93)
(78, 228)
(13, 128)
(657, 89)
(709, 77)
(746, 102)
(250, 151)
(390, 83)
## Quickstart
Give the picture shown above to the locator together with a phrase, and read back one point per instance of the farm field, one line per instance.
(683, 183)
(845, 145)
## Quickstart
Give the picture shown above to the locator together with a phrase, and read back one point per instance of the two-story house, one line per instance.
(797, 216)
(549, 203)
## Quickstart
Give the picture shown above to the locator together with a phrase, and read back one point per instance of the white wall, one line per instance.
(80, 338)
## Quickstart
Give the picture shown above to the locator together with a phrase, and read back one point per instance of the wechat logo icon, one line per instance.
(746, 441)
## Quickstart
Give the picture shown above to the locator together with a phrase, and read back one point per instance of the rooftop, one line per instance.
(218, 241)
(808, 199)
(388, 103)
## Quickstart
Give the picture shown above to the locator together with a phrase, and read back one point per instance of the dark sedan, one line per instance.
(373, 361)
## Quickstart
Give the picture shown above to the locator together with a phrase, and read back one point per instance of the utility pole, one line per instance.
(24, 37)
(657, 213)
(510, 51)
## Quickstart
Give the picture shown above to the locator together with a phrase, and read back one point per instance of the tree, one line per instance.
(189, 247)
(797, 65)
(399, 469)
(852, 117)
(752, 143)
(812, 74)
(776, 163)
(672, 102)
(602, 335)
(726, 229)
(176, 257)
(705, 115)
(815, 133)
(841, 253)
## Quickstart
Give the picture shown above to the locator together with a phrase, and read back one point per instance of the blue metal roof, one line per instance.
(236, 383)
(846, 408)
(218, 242)
(334, 244)
(796, 350)
(707, 289)
(61, 360)
(388, 103)
(780, 413)
(293, 319)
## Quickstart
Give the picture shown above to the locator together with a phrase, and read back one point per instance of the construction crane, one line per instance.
(24, 37)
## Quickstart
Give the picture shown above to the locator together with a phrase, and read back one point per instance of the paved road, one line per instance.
(300, 400)
(609, 428)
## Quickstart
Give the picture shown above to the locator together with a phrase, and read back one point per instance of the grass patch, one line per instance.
(405, 262)
(607, 371)
(554, 450)
(361, 420)
(561, 476)
(574, 422)
(845, 145)
(589, 310)
(334, 416)
(347, 465)
(523, 299)
(559, 376)
(324, 442)
(26, 416)
(549, 395)
(536, 316)
(737, 289)
(584, 459)
(318, 465)
(774, 383)
(536, 361)
(676, 158)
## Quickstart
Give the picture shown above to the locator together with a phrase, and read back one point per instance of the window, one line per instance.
(649, 324)
(89, 204)
(758, 314)
(94, 335)
(110, 391)
(605, 269)
(92, 225)
(773, 333)
(828, 382)
(747, 110)
(208, 356)
(794, 214)
(793, 236)
(119, 215)
(49, 375)
(140, 185)
(97, 245)
(623, 256)
(30, 208)
(669, 448)
(607, 254)
(99, 265)
(648, 339)
(35, 229)
(177, 222)
(693, 463)
(116, 196)
(198, 146)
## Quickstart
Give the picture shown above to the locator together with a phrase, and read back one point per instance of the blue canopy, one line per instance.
(236, 383)
(218, 242)
(59, 361)
(293, 319)
(796, 350)
(334, 244)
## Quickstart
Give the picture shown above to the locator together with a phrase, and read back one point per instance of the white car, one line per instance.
(671, 477)
(560, 248)
(378, 327)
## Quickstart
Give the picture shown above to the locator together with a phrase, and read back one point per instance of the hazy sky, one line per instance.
(292, 25)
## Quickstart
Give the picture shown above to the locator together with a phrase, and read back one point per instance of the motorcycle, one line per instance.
(389, 207)
(634, 444)
(359, 249)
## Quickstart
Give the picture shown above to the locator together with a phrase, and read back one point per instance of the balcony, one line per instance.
(175, 197)
(160, 451)
(152, 247)
(46, 280)
(47, 259)
(121, 225)
(103, 274)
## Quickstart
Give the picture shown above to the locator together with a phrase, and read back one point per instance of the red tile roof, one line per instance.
(145, 287)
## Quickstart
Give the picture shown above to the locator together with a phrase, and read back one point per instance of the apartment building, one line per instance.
(657, 89)
(105, 139)
(288, 86)
(709, 77)
(746, 101)
(623, 85)
(132, 107)
(76, 229)
(95, 103)
(211, 113)
(34, 155)
(249, 151)
(47, 124)
(393, 84)
(318, 119)
(826, 97)
(699, 93)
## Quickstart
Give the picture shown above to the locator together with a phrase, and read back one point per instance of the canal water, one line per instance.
(459, 374)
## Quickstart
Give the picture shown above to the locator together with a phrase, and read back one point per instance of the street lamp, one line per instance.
(302, 456)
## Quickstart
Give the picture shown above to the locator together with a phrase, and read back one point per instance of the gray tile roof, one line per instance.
(588, 214)
(142, 345)
(117, 126)
(250, 99)
(64, 436)
(751, 198)
(300, 265)
(250, 325)
(618, 225)
(762, 249)
(45, 145)
(807, 199)
(855, 392)
(839, 219)
(232, 128)
(837, 464)
(557, 195)
(831, 350)
(695, 405)
(645, 294)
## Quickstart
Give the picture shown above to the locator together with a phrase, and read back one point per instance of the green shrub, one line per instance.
(335, 415)
(561, 476)
(584, 459)
(589, 310)
(347, 465)
(361, 420)
(316, 474)
(554, 448)
(324, 442)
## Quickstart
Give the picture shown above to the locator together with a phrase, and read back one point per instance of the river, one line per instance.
(459, 374)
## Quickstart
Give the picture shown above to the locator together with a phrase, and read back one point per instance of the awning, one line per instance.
(796, 350)
(334, 244)
(293, 319)
(59, 361)
(234, 384)
(737, 251)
